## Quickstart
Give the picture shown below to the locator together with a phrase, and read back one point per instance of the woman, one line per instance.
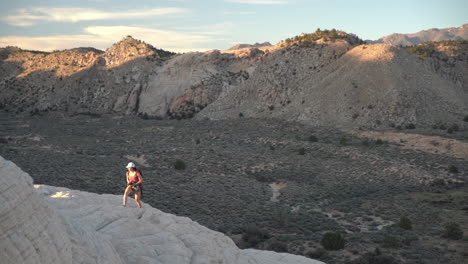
(134, 184)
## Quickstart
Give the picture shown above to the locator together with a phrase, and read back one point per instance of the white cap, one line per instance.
(131, 165)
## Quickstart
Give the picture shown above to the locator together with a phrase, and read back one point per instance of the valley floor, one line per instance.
(268, 184)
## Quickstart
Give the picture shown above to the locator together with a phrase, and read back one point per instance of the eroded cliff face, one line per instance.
(46, 224)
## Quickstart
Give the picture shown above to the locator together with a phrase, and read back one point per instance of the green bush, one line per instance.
(280, 216)
(301, 151)
(241, 115)
(405, 223)
(391, 242)
(316, 254)
(379, 142)
(179, 165)
(465, 118)
(410, 126)
(365, 142)
(452, 169)
(455, 127)
(312, 138)
(277, 246)
(343, 141)
(333, 241)
(453, 231)
(252, 235)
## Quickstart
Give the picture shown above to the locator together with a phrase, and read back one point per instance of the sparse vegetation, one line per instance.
(343, 141)
(312, 138)
(453, 231)
(465, 118)
(452, 169)
(410, 126)
(179, 165)
(326, 35)
(333, 241)
(301, 151)
(253, 235)
(405, 223)
(391, 242)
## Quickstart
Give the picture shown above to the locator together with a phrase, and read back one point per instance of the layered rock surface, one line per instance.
(59, 225)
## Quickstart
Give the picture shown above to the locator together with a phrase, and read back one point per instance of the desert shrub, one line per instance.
(455, 127)
(333, 241)
(179, 165)
(272, 147)
(280, 216)
(197, 141)
(375, 257)
(405, 223)
(453, 231)
(365, 142)
(316, 254)
(379, 142)
(355, 116)
(343, 141)
(438, 182)
(465, 118)
(271, 107)
(277, 246)
(410, 126)
(312, 138)
(391, 242)
(301, 151)
(3, 141)
(253, 235)
(241, 115)
(452, 169)
(449, 130)
(442, 127)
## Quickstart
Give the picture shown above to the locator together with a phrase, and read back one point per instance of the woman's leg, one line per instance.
(137, 198)
(128, 190)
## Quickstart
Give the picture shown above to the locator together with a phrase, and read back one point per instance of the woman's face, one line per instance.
(131, 169)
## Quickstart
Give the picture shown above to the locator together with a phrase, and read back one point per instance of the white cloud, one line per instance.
(28, 17)
(102, 37)
(259, 2)
(243, 13)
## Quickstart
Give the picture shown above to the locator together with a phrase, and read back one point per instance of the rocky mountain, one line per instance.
(45, 224)
(433, 34)
(328, 77)
(256, 45)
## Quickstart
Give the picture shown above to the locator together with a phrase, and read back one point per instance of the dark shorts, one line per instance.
(138, 188)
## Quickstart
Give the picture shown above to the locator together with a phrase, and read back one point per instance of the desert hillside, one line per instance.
(328, 77)
(433, 34)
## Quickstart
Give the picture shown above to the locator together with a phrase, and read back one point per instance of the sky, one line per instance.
(191, 25)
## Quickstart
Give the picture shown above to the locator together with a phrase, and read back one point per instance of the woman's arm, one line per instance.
(140, 179)
(127, 178)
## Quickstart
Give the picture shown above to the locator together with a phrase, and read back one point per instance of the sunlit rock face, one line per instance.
(30, 231)
(49, 224)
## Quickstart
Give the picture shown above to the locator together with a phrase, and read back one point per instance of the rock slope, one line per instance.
(58, 225)
(433, 34)
(324, 78)
(369, 85)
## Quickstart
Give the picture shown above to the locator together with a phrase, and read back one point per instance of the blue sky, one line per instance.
(190, 25)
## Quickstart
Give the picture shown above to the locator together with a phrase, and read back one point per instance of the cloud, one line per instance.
(243, 13)
(102, 37)
(259, 2)
(29, 17)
